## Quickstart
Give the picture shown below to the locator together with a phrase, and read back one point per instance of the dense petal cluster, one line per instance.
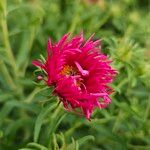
(79, 72)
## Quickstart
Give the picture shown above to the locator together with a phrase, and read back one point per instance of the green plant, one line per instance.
(32, 119)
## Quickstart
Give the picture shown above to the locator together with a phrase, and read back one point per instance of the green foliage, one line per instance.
(31, 118)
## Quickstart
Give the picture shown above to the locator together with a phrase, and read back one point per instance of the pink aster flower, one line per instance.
(79, 72)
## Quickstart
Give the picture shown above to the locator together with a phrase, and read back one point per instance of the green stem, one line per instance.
(10, 55)
(33, 93)
(8, 50)
(7, 44)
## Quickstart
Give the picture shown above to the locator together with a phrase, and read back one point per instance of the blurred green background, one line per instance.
(29, 116)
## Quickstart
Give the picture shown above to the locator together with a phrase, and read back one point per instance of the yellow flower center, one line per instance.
(68, 70)
(71, 71)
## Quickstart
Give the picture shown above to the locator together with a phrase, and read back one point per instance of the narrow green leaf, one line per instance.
(73, 146)
(56, 147)
(11, 104)
(8, 78)
(15, 125)
(59, 121)
(1, 134)
(40, 119)
(27, 149)
(24, 51)
(85, 139)
(5, 111)
(36, 145)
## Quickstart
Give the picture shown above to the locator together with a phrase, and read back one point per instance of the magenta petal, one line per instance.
(38, 64)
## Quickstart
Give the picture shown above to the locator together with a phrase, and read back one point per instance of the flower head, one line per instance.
(79, 72)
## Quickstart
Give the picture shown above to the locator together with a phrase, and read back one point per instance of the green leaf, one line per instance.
(5, 111)
(8, 78)
(55, 119)
(5, 96)
(1, 134)
(11, 104)
(73, 146)
(38, 146)
(85, 139)
(27, 149)
(17, 124)
(25, 47)
(55, 142)
(59, 121)
(39, 120)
